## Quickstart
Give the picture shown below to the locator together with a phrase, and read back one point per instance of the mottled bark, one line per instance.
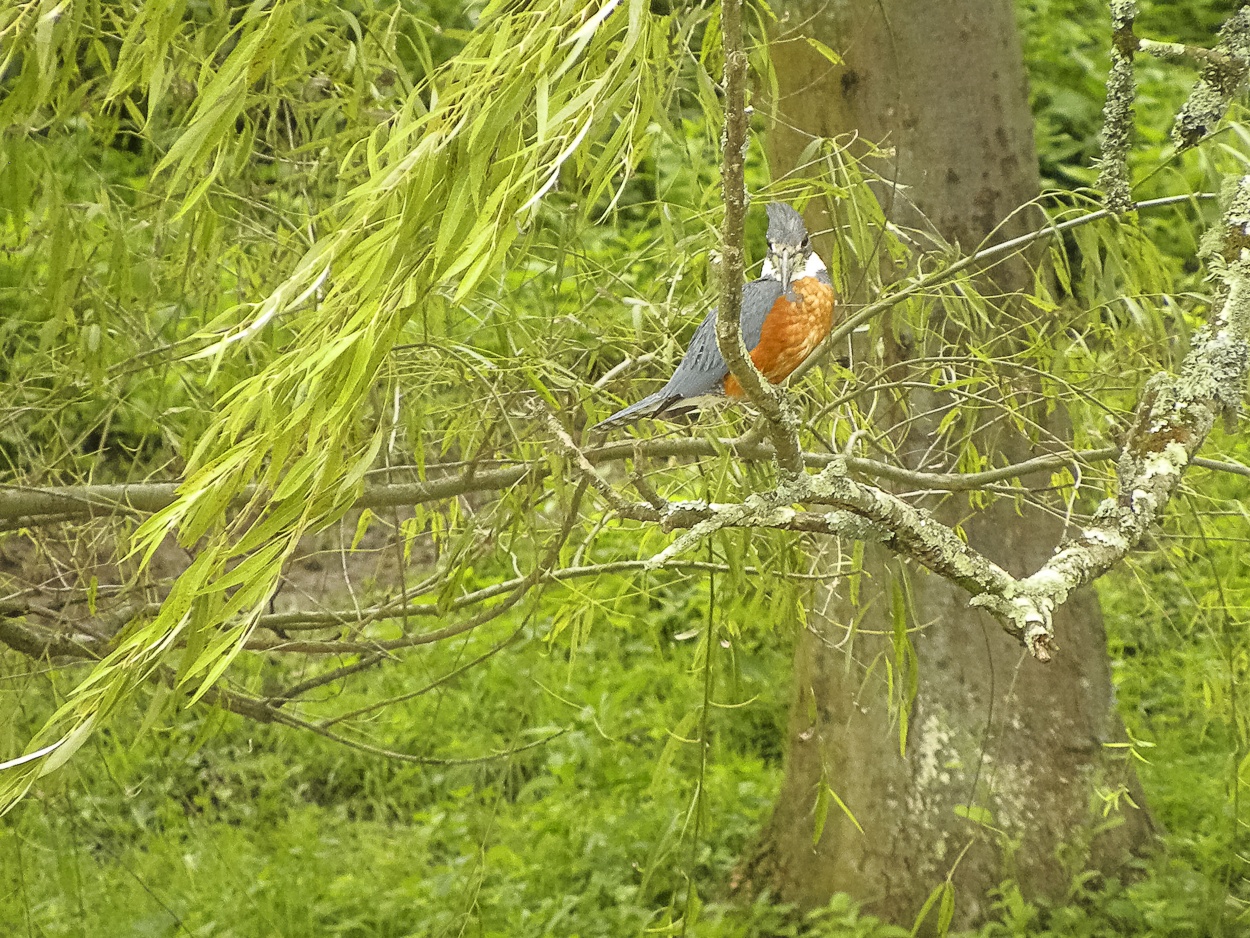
(1117, 112)
(771, 401)
(943, 84)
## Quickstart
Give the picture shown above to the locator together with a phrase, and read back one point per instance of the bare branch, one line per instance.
(865, 513)
(321, 680)
(769, 399)
(441, 681)
(1222, 77)
(570, 449)
(289, 720)
(85, 501)
(263, 712)
(1117, 114)
(33, 643)
(1179, 50)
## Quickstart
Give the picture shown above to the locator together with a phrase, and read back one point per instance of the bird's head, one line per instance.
(789, 246)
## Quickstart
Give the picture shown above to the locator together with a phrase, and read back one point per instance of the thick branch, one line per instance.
(32, 507)
(1172, 421)
(1179, 50)
(864, 513)
(1223, 75)
(39, 646)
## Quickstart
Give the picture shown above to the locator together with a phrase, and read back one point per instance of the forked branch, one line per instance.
(1172, 420)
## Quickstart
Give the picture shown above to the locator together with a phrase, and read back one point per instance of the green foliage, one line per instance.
(249, 827)
(328, 217)
(109, 269)
(439, 191)
(441, 270)
(231, 827)
(408, 290)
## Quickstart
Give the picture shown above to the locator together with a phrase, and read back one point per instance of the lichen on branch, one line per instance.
(769, 400)
(1171, 422)
(1223, 75)
(1117, 129)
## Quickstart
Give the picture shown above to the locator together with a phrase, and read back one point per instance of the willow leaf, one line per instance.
(374, 266)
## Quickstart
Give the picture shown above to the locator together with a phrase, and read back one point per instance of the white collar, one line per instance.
(813, 267)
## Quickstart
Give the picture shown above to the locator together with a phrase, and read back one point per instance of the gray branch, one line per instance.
(1117, 127)
(33, 507)
(1223, 75)
(1179, 50)
(769, 400)
(862, 512)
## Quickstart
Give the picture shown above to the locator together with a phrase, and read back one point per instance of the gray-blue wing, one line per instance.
(703, 370)
(758, 298)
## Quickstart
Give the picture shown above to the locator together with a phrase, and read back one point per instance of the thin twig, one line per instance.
(924, 282)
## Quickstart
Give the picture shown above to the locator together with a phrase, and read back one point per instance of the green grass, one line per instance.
(227, 828)
(224, 827)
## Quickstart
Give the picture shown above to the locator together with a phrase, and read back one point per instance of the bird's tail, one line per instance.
(650, 406)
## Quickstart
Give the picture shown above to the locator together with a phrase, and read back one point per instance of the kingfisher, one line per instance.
(786, 314)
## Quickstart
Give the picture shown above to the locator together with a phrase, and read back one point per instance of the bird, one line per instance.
(786, 313)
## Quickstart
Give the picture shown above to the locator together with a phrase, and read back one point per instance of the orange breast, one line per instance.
(797, 323)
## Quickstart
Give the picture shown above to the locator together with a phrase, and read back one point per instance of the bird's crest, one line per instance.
(785, 225)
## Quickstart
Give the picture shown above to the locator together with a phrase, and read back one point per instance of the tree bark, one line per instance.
(943, 84)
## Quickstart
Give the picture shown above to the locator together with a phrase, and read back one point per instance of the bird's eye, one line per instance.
(807, 242)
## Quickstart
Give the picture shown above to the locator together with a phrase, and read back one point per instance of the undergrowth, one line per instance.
(219, 826)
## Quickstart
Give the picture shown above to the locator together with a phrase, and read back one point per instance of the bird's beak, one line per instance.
(784, 269)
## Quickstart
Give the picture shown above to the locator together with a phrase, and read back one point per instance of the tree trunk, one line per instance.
(943, 83)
